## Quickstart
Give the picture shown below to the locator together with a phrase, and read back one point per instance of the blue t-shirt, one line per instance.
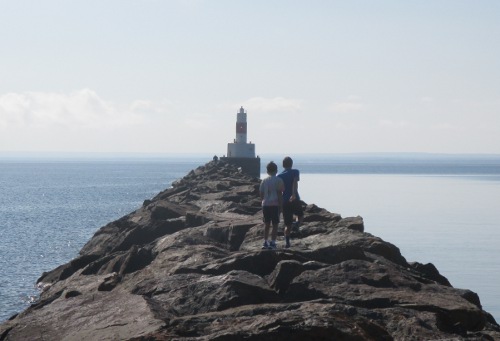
(288, 175)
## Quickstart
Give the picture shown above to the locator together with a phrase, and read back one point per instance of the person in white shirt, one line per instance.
(271, 193)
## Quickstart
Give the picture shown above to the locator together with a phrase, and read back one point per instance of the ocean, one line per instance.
(438, 209)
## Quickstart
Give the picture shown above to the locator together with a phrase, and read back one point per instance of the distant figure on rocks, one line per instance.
(271, 193)
(291, 198)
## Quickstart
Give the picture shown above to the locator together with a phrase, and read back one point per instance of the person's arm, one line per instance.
(279, 192)
(295, 185)
(295, 189)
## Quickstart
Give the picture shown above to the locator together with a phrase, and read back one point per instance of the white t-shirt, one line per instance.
(270, 187)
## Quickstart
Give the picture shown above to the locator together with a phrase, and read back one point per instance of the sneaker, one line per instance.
(272, 245)
(265, 246)
(287, 245)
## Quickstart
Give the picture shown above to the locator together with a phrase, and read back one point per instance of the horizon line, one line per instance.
(156, 155)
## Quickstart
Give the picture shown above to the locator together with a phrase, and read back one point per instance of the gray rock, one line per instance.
(188, 265)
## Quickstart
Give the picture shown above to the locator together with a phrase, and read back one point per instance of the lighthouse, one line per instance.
(240, 147)
(240, 152)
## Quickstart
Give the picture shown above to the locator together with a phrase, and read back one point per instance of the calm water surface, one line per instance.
(49, 210)
(450, 221)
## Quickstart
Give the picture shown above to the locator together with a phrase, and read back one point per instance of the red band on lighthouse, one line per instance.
(241, 127)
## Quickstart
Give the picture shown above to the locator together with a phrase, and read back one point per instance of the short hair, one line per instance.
(272, 167)
(287, 162)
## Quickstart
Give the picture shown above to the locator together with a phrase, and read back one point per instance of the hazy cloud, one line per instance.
(83, 108)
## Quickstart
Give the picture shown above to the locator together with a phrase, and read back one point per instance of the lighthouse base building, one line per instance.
(247, 165)
(241, 153)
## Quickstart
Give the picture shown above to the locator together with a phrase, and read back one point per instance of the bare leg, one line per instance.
(274, 232)
(266, 231)
(288, 228)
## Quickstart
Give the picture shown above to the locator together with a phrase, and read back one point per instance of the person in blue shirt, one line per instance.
(291, 199)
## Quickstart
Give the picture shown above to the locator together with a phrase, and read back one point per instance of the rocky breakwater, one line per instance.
(188, 265)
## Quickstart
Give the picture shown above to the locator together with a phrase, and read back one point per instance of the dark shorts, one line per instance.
(271, 214)
(290, 209)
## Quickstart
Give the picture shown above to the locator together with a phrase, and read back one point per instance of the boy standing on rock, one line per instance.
(291, 198)
(271, 193)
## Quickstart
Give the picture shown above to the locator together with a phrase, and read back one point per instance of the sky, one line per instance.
(153, 76)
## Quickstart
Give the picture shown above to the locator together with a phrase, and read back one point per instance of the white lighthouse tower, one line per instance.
(240, 147)
(240, 152)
